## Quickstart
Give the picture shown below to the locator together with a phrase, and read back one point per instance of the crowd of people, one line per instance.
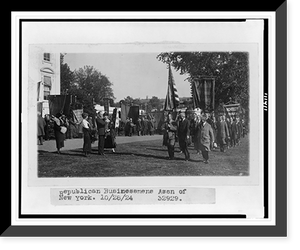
(143, 126)
(99, 128)
(204, 131)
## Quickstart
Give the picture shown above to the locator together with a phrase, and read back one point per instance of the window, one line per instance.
(46, 92)
(47, 81)
(47, 57)
(47, 86)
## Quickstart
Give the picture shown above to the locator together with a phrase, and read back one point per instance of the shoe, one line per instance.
(206, 162)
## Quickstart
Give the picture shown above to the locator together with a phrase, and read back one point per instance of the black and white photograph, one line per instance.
(143, 118)
(142, 114)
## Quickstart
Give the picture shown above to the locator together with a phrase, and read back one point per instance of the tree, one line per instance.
(154, 103)
(66, 76)
(230, 69)
(91, 87)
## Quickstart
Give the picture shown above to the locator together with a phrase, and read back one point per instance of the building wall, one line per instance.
(44, 75)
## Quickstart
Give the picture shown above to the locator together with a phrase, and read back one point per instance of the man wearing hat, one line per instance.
(206, 137)
(184, 135)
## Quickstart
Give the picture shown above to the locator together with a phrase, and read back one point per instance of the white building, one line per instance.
(44, 74)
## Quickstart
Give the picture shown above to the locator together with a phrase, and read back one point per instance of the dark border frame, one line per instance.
(280, 229)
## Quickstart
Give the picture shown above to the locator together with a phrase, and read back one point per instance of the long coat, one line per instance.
(239, 129)
(197, 135)
(205, 136)
(100, 126)
(183, 130)
(222, 132)
(59, 137)
(234, 131)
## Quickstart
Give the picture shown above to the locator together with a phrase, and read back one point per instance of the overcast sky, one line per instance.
(137, 75)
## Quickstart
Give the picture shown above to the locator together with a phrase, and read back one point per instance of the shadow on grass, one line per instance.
(79, 153)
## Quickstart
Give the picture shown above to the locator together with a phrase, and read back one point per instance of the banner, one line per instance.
(232, 110)
(134, 112)
(59, 104)
(124, 112)
(77, 115)
(203, 93)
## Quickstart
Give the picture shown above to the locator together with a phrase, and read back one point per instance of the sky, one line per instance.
(133, 74)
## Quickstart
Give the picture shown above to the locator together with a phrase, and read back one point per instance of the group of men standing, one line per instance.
(202, 130)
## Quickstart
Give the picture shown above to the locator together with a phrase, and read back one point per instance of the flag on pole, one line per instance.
(172, 98)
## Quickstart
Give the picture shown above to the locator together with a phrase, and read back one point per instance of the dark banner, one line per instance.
(203, 93)
(134, 113)
(59, 104)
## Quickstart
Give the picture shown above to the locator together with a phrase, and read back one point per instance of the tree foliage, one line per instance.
(230, 69)
(154, 103)
(88, 84)
(66, 76)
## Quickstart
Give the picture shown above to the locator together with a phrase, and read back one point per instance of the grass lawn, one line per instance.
(148, 158)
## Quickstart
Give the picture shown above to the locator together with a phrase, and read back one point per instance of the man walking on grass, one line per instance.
(206, 137)
(223, 133)
(184, 135)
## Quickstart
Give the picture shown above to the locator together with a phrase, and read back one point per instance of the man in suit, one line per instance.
(223, 133)
(234, 131)
(101, 132)
(206, 137)
(184, 135)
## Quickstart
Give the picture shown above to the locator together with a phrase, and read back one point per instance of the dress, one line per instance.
(110, 139)
(87, 144)
(59, 137)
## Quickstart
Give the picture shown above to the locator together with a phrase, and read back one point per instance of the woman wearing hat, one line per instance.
(60, 128)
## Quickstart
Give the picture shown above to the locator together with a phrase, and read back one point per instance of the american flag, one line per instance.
(172, 98)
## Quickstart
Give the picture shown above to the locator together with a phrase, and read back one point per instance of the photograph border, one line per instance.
(182, 231)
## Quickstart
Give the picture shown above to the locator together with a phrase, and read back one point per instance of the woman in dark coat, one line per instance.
(110, 137)
(86, 130)
(59, 127)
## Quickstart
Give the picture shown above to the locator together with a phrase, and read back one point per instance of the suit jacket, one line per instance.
(100, 126)
(206, 135)
(183, 129)
(223, 131)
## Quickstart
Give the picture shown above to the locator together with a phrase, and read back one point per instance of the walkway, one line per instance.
(50, 146)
